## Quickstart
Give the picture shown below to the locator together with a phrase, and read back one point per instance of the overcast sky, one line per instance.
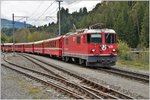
(34, 9)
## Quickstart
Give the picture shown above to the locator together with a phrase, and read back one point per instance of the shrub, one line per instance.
(123, 49)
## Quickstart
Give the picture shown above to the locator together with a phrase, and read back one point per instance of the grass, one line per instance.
(133, 64)
(128, 57)
(34, 91)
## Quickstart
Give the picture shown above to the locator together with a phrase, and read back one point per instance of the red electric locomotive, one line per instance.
(94, 47)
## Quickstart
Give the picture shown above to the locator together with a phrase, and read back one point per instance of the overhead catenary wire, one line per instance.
(44, 11)
(38, 7)
(52, 17)
(20, 19)
(52, 11)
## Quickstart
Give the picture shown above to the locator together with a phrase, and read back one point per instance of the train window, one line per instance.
(110, 38)
(29, 46)
(52, 44)
(66, 41)
(55, 43)
(78, 39)
(47, 44)
(94, 38)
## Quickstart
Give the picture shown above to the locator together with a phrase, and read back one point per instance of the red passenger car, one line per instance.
(2, 47)
(39, 47)
(53, 47)
(19, 47)
(7, 47)
(94, 47)
(29, 47)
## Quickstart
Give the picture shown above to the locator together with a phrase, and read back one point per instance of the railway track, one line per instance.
(98, 89)
(70, 88)
(132, 75)
(54, 85)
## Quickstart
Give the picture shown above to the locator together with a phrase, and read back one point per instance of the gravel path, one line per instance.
(132, 87)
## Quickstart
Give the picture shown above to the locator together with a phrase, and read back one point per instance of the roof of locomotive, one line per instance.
(86, 31)
(99, 31)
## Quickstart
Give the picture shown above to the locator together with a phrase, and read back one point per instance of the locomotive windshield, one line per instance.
(94, 38)
(110, 38)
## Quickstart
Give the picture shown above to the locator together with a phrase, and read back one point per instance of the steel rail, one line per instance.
(86, 81)
(128, 74)
(79, 88)
(45, 82)
(102, 94)
(131, 72)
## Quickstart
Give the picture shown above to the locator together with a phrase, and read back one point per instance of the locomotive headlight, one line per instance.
(113, 50)
(93, 50)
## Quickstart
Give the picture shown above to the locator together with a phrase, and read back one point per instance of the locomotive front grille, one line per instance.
(102, 59)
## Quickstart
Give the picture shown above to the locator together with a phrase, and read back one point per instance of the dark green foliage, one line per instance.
(4, 38)
(128, 18)
(8, 31)
(144, 36)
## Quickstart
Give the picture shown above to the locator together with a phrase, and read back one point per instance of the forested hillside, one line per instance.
(130, 19)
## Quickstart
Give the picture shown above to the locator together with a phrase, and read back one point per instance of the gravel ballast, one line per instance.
(17, 86)
(128, 86)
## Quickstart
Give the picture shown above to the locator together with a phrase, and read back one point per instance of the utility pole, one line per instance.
(59, 1)
(25, 40)
(13, 35)
(24, 24)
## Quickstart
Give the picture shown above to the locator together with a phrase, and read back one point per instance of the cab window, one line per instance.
(110, 38)
(78, 40)
(94, 38)
(66, 41)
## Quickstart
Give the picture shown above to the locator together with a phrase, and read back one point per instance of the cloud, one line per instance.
(71, 1)
(34, 9)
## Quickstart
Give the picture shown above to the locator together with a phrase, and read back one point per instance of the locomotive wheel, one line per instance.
(76, 60)
(81, 61)
(67, 59)
(86, 63)
(63, 58)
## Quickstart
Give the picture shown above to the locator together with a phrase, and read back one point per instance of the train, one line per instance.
(89, 47)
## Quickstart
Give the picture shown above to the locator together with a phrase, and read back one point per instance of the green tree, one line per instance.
(144, 36)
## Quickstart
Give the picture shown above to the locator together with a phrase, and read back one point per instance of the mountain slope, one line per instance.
(8, 24)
